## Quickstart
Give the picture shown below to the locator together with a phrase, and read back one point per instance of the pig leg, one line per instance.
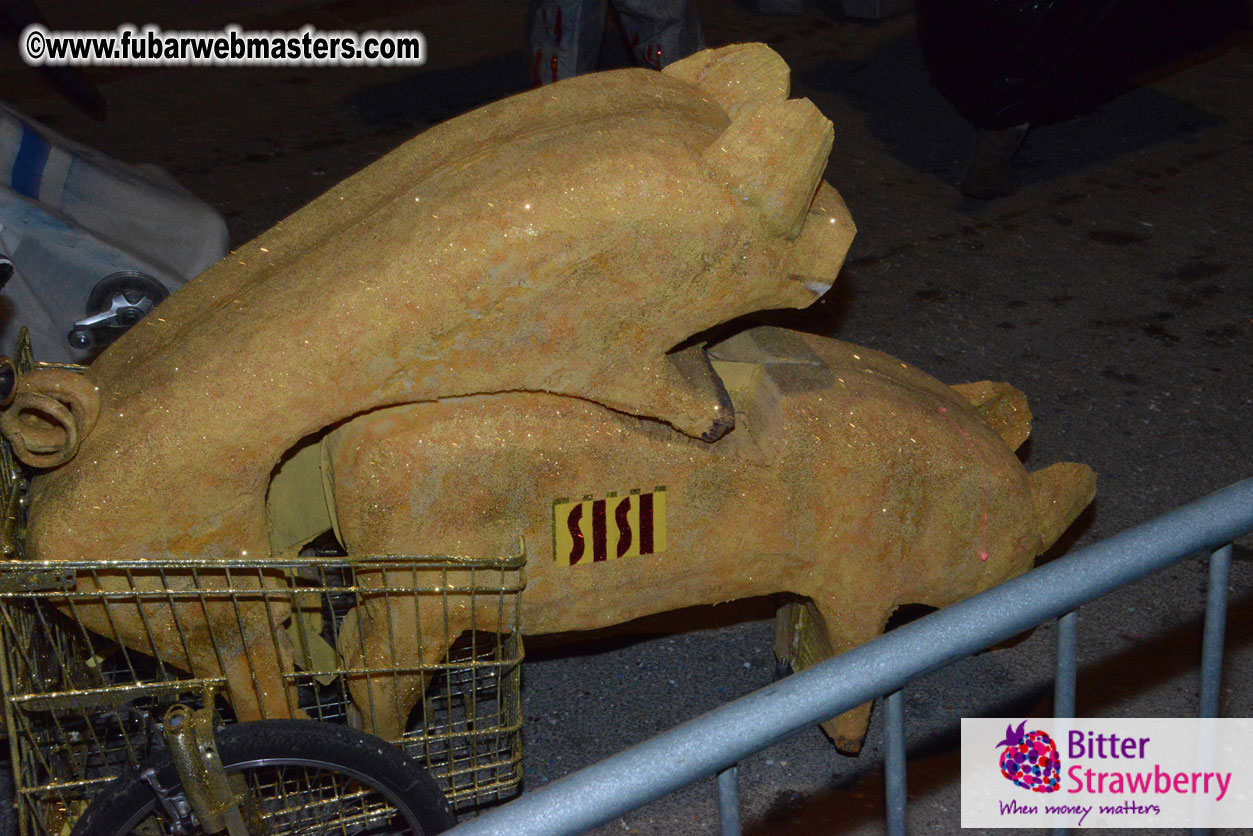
(809, 632)
(389, 642)
(212, 636)
(253, 664)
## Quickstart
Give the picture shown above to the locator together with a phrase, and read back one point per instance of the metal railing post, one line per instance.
(1215, 626)
(1064, 676)
(894, 762)
(729, 801)
(1212, 640)
(1067, 665)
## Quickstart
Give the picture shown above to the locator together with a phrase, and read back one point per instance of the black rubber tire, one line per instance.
(131, 284)
(295, 753)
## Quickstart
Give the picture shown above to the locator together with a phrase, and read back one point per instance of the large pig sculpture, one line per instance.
(525, 281)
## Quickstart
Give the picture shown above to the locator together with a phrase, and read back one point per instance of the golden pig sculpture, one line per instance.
(527, 278)
(850, 479)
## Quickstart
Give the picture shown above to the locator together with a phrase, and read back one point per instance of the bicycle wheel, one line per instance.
(303, 777)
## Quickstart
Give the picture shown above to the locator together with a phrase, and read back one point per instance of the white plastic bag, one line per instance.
(74, 221)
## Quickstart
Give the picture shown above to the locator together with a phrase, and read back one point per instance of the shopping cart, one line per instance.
(158, 749)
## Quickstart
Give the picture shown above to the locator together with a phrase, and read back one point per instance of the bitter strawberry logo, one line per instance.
(1030, 759)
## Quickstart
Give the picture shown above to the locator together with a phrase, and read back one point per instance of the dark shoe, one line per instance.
(989, 173)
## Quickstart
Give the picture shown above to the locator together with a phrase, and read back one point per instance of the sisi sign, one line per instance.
(1097, 772)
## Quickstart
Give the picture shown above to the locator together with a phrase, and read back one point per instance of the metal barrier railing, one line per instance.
(715, 742)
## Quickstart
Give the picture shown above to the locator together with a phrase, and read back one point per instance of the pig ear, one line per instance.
(737, 76)
(1003, 407)
(772, 158)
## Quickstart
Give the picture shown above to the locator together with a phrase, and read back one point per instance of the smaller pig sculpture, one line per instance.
(851, 479)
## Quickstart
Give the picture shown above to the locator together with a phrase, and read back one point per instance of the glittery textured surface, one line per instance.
(850, 479)
(562, 240)
(497, 302)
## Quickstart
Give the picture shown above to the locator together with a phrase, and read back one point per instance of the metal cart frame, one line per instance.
(81, 708)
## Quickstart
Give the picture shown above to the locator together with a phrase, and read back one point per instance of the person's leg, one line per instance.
(565, 38)
(659, 32)
(989, 173)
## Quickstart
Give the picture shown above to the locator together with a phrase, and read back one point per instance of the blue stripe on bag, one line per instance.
(28, 166)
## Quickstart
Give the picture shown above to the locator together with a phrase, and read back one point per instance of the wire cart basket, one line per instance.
(81, 708)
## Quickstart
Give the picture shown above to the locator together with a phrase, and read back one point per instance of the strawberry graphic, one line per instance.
(1030, 759)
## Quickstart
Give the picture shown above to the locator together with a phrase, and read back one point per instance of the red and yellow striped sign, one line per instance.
(591, 530)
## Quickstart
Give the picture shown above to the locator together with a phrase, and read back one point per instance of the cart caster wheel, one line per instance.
(81, 338)
(303, 777)
(8, 381)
